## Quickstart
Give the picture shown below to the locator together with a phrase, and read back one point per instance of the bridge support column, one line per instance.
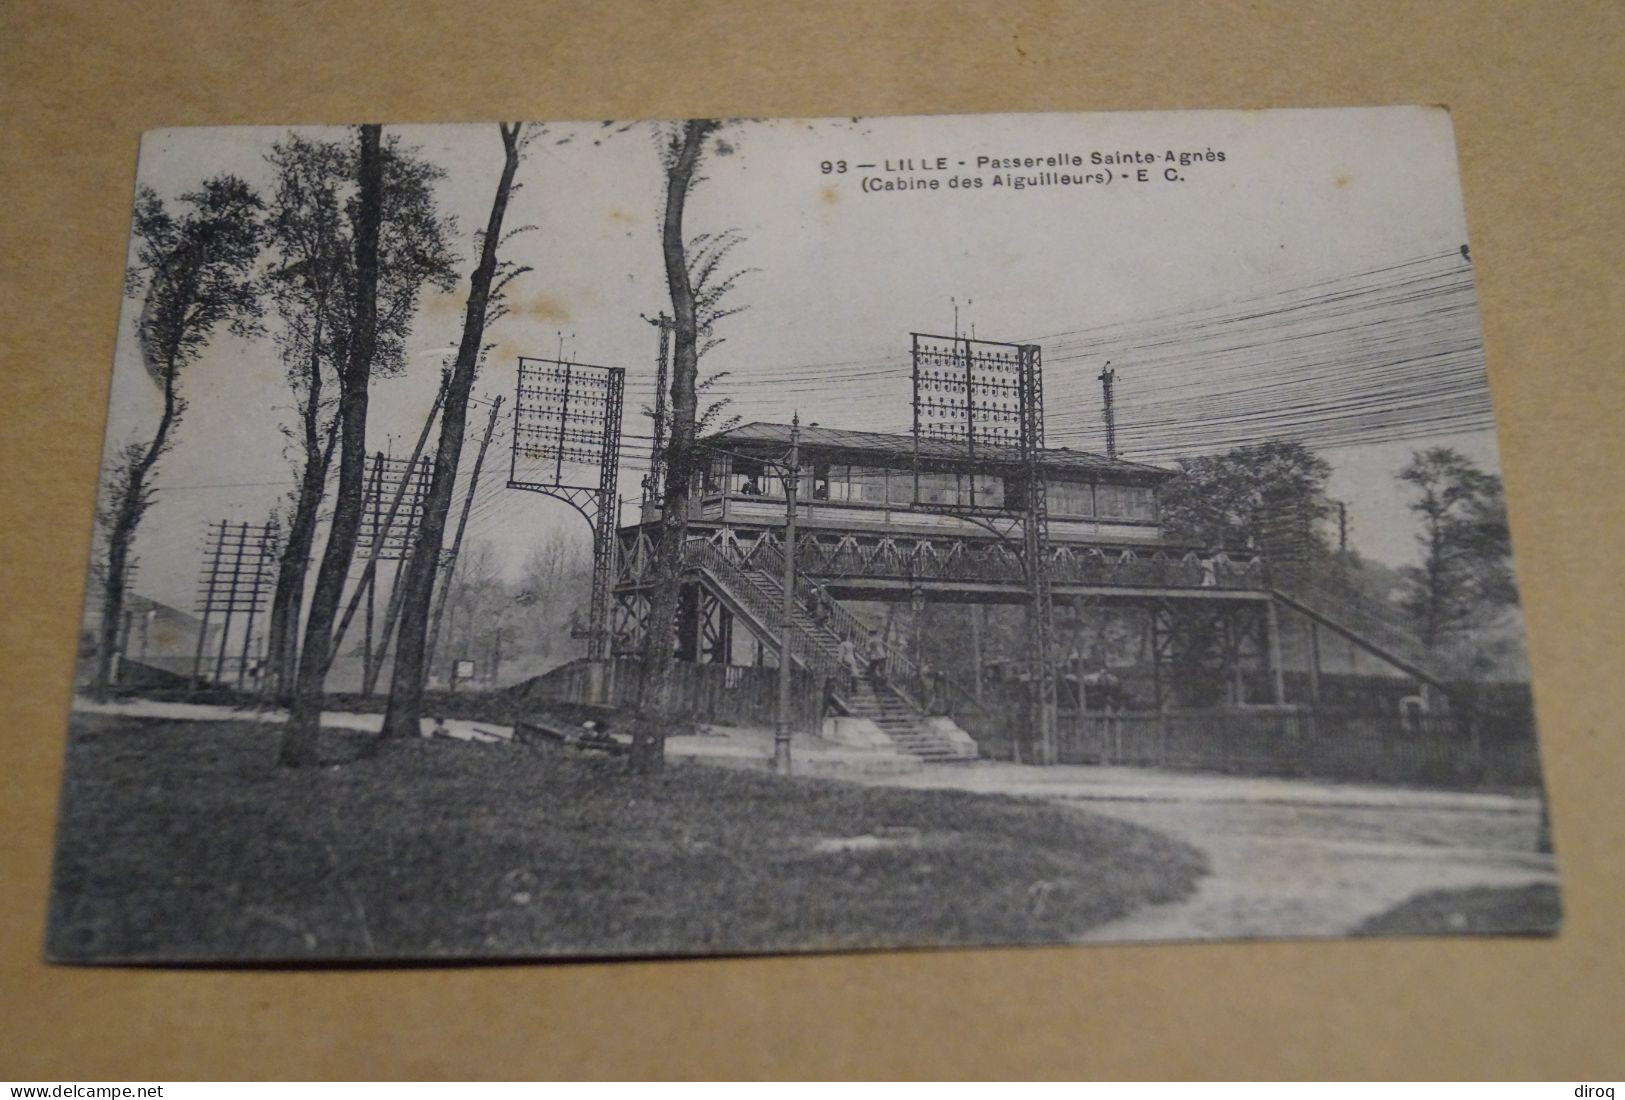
(1161, 629)
(1272, 624)
(630, 619)
(716, 631)
(1314, 663)
(690, 623)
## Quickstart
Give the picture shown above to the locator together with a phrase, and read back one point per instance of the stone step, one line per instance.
(944, 754)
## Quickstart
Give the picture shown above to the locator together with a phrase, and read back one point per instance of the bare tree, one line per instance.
(299, 742)
(490, 276)
(193, 272)
(555, 581)
(682, 149)
(715, 417)
(311, 235)
(476, 596)
(306, 230)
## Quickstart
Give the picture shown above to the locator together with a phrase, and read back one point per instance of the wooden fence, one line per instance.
(733, 695)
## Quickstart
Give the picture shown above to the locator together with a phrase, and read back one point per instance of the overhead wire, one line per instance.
(1381, 355)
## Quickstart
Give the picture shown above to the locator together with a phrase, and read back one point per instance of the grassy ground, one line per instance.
(1490, 909)
(183, 841)
(501, 707)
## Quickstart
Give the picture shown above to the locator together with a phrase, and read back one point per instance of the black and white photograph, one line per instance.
(742, 536)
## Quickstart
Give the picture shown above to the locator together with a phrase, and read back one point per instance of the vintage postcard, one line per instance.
(729, 536)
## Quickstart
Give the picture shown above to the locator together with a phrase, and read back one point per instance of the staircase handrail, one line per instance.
(845, 623)
(1356, 611)
(803, 647)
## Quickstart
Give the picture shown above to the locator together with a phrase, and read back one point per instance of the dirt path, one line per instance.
(1289, 858)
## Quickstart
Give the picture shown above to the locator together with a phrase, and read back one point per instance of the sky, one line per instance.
(838, 272)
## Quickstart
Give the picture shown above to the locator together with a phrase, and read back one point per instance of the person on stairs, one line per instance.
(875, 653)
(818, 605)
(847, 655)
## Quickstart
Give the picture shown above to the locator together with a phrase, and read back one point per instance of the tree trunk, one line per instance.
(649, 730)
(299, 741)
(403, 717)
(282, 654)
(132, 503)
(1435, 582)
(119, 539)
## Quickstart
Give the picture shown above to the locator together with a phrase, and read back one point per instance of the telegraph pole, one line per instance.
(657, 448)
(383, 528)
(369, 581)
(1107, 377)
(231, 602)
(392, 610)
(1035, 536)
(234, 577)
(268, 540)
(207, 587)
(792, 475)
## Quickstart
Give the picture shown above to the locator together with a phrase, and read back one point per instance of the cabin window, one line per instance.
(1145, 504)
(879, 487)
(1136, 503)
(989, 491)
(867, 485)
(943, 489)
(837, 482)
(899, 487)
(748, 478)
(773, 484)
(714, 475)
(1070, 498)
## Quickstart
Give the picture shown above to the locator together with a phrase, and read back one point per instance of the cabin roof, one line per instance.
(897, 449)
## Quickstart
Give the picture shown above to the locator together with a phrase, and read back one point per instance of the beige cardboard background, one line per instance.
(1538, 98)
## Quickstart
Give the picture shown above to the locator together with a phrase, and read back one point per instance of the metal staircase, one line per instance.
(756, 597)
(1361, 620)
(903, 723)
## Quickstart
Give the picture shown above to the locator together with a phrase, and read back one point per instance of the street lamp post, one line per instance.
(792, 475)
